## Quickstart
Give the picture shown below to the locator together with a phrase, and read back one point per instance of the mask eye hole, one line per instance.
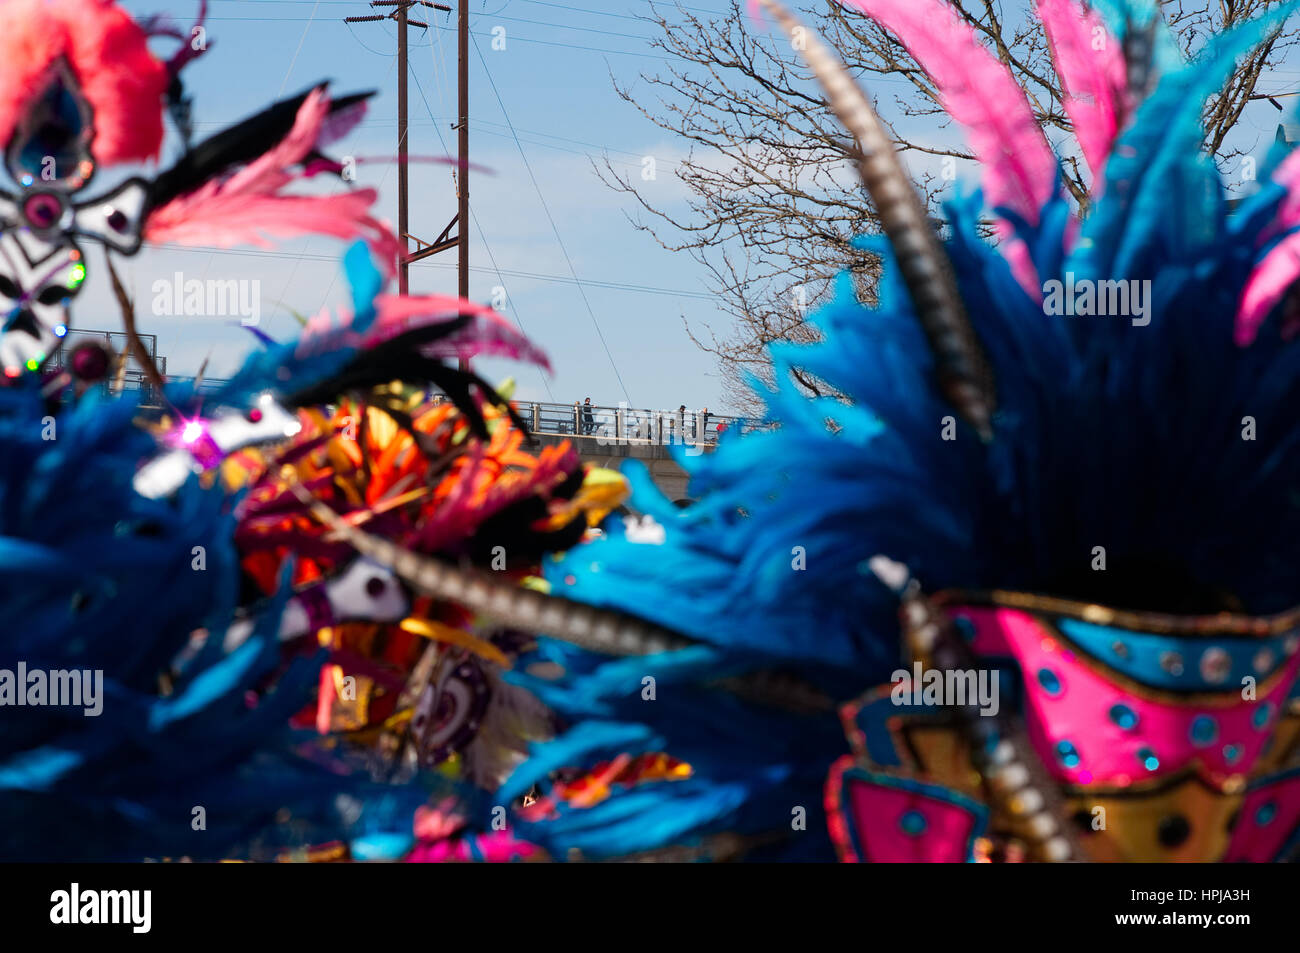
(9, 289)
(54, 136)
(53, 295)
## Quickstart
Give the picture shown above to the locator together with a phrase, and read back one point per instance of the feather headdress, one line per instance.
(81, 90)
(1144, 433)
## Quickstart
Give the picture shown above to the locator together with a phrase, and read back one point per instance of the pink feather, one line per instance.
(1016, 254)
(250, 206)
(1287, 175)
(1266, 286)
(339, 124)
(980, 93)
(443, 838)
(1093, 79)
(107, 50)
(187, 53)
(1280, 268)
(486, 334)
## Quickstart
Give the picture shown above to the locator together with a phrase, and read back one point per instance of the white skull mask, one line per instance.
(38, 277)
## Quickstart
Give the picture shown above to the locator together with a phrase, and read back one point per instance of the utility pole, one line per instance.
(462, 147)
(460, 221)
(403, 174)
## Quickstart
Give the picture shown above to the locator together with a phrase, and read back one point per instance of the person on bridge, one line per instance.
(588, 422)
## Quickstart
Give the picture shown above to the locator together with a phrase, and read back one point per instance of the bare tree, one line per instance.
(773, 203)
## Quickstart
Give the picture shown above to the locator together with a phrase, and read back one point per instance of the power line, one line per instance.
(513, 273)
(549, 135)
(565, 6)
(573, 152)
(554, 228)
(566, 26)
(626, 16)
(604, 147)
(540, 3)
(662, 57)
(400, 14)
(356, 134)
(558, 26)
(474, 219)
(284, 82)
(301, 40)
(515, 39)
(363, 44)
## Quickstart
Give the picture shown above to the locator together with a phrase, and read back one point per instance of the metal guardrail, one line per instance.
(600, 423)
(114, 342)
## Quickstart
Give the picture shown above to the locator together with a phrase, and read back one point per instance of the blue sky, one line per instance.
(553, 83)
(553, 79)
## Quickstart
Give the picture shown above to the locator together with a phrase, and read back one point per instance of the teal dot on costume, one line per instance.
(1051, 684)
(1148, 759)
(1204, 730)
(1265, 813)
(1263, 714)
(1232, 753)
(912, 823)
(1123, 716)
(1068, 754)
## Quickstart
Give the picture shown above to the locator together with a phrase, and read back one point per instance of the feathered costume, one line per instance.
(262, 688)
(1105, 505)
(1094, 506)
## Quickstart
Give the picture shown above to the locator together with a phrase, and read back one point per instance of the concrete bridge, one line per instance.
(606, 436)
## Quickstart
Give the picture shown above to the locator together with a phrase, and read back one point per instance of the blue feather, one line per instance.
(1108, 432)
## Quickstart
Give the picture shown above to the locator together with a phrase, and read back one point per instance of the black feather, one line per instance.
(238, 144)
(400, 359)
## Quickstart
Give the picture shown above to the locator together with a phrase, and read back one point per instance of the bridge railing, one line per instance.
(599, 423)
